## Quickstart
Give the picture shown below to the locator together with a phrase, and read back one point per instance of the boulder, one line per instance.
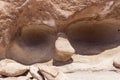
(64, 49)
(11, 68)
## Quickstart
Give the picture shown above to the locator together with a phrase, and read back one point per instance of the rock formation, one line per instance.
(61, 31)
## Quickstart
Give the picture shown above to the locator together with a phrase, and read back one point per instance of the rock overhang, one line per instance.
(58, 16)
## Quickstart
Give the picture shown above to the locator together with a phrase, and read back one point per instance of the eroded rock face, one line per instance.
(29, 29)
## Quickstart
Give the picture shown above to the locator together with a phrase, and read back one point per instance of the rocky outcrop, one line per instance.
(30, 33)
(23, 19)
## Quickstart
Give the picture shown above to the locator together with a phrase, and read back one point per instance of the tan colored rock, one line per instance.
(16, 78)
(7, 19)
(2, 52)
(12, 68)
(62, 76)
(34, 45)
(34, 72)
(52, 73)
(5, 22)
(56, 14)
(116, 62)
(64, 49)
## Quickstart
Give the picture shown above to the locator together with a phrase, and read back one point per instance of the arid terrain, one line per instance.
(59, 39)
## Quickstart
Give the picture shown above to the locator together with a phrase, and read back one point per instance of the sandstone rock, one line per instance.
(11, 68)
(16, 78)
(7, 18)
(116, 62)
(61, 76)
(5, 22)
(58, 14)
(34, 72)
(64, 49)
(52, 73)
(2, 52)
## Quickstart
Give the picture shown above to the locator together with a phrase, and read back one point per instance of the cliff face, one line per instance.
(57, 13)
(74, 35)
(84, 21)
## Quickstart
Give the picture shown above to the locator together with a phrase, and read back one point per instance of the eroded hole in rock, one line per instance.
(34, 37)
(33, 44)
(89, 38)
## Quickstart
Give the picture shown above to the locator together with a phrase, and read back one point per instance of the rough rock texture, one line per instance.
(18, 18)
(16, 78)
(29, 34)
(11, 68)
(116, 62)
(34, 72)
(64, 50)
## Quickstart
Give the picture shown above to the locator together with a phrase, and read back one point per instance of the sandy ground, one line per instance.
(89, 75)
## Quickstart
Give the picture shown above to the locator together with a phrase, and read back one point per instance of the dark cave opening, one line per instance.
(34, 36)
(91, 38)
(34, 44)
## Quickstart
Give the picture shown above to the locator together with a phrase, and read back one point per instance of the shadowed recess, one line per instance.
(34, 36)
(93, 37)
(34, 44)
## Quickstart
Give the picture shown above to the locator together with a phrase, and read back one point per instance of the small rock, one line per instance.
(64, 50)
(116, 62)
(49, 72)
(34, 72)
(12, 68)
(52, 73)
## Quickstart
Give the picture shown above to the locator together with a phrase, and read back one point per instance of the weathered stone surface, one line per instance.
(2, 51)
(116, 62)
(5, 23)
(49, 71)
(64, 49)
(35, 73)
(52, 73)
(29, 28)
(55, 14)
(16, 78)
(11, 68)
